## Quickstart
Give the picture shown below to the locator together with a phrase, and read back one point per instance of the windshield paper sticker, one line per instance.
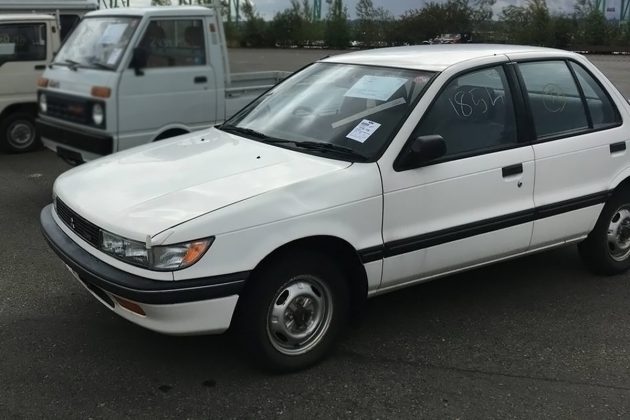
(363, 131)
(113, 57)
(380, 88)
(113, 33)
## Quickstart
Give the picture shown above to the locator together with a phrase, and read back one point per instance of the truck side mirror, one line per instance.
(419, 151)
(139, 60)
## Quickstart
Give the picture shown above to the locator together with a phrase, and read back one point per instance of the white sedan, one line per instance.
(361, 174)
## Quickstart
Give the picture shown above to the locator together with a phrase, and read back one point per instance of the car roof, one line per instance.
(24, 16)
(434, 57)
(154, 11)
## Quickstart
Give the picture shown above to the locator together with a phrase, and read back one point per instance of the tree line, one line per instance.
(531, 23)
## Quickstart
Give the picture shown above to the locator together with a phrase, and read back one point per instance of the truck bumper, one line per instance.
(186, 307)
(74, 144)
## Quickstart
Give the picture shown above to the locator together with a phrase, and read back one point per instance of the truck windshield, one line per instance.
(350, 111)
(97, 42)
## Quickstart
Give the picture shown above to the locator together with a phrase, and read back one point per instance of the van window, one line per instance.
(554, 98)
(473, 113)
(22, 42)
(174, 43)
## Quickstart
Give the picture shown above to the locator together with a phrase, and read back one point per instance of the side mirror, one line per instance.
(139, 60)
(419, 151)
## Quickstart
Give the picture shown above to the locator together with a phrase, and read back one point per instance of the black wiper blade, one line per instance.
(243, 130)
(73, 65)
(100, 65)
(315, 145)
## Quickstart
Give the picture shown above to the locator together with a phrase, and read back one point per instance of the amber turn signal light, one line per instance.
(101, 92)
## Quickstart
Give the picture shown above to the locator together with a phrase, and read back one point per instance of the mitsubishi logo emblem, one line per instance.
(72, 223)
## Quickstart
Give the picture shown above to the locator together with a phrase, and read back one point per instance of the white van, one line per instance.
(127, 77)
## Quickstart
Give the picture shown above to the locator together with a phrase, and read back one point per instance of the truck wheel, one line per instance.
(293, 311)
(18, 133)
(606, 250)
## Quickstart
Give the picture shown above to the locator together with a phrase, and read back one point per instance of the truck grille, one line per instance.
(68, 108)
(86, 230)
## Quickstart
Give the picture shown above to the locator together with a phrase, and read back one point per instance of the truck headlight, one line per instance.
(98, 114)
(43, 105)
(159, 258)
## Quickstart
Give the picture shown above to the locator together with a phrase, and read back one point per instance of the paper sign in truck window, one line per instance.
(363, 131)
(380, 88)
(113, 33)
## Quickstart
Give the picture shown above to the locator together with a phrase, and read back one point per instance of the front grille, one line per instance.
(68, 108)
(86, 230)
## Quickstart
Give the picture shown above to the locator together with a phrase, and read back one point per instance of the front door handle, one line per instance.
(201, 79)
(512, 170)
(617, 147)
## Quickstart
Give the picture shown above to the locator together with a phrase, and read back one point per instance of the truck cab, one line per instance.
(27, 43)
(127, 77)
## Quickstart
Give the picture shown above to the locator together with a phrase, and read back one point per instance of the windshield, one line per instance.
(97, 42)
(350, 110)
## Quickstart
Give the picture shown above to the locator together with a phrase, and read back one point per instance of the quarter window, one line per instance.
(473, 113)
(603, 112)
(22, 42)
(174, 43)
(554, 98)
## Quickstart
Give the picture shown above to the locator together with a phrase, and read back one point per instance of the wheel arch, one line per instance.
(27, 107)
(171, 132)
(338, 250)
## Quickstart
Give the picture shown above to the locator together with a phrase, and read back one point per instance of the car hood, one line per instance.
(148, 189)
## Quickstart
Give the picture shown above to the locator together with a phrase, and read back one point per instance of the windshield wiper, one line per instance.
(329, 147)
(72, 65)
(100, 65)
(242, 130)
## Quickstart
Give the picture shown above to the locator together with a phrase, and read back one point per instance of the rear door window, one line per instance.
(554, 98)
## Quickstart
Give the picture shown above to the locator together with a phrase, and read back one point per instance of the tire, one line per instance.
(606, 250)
(292, 312)
(18, 133)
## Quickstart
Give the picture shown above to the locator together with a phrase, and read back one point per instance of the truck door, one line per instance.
(23, 53)
(175, 88)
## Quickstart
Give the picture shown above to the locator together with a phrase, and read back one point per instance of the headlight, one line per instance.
(43, 105)
(98, 114)
(159, 258)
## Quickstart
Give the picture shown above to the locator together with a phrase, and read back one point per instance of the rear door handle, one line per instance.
(201, 79)
(40, 67)
(512, 170)
(617, 147)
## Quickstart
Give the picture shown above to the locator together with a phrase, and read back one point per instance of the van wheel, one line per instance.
(18, 133)
(293, 311)
(606, 250)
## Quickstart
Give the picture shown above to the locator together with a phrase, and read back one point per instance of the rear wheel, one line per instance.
(293, 311)
(606, 250)
(18, 133)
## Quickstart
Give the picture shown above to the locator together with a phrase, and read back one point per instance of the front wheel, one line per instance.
(293, 311)
(18, 133)
(606, 250)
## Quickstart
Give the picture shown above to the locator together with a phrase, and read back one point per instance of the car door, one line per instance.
(580, 146)
(175, 87)
(475, 203)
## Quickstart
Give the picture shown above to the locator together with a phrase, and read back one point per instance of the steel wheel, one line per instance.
(21, 134)
(619, 234)
(299, 315)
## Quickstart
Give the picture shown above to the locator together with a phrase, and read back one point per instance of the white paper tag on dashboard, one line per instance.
(363, 131)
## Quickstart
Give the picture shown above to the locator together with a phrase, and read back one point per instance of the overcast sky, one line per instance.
(268, 8)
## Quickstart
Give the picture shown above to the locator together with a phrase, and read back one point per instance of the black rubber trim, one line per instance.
(96, 273)
(512, 170)
(101, 145)
(618, 147)
(415, 243)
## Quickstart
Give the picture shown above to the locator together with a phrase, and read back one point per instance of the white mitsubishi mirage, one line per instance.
(361, 174)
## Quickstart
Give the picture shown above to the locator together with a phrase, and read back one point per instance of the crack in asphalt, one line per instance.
(374, 359)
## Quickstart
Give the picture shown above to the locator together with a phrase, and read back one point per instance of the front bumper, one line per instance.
(196, 306)
(73, 143)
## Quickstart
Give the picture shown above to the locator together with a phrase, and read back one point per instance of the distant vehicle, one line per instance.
(460, 38)
(69, 12)
(127, 77)
(359, 175)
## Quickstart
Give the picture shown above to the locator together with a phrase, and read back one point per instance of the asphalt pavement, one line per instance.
(537, 337)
